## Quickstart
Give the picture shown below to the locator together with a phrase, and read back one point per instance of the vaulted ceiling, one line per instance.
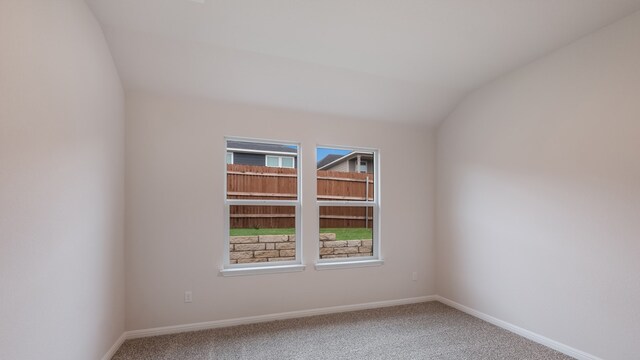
(390, 60)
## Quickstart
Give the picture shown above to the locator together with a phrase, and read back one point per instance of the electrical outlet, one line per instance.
(188, 297)
(414, 276)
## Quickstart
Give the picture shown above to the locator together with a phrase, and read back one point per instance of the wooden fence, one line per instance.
(261, 182)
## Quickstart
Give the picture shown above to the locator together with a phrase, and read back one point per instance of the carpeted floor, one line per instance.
(419, 331)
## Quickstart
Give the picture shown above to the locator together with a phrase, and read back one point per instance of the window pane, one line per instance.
(229, 158)
(346, 231)
(345, 175)
(287, 162)
(273, 161)
(249, 178)
(261, 234)
(363, 167)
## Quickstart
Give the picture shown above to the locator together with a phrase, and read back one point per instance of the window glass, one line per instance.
(346, 231)
(345, 175)
(273, 161)
(261, 234)
(249, 179)
(346, 197)
(262, 204)
(287, 162)
(363, 167)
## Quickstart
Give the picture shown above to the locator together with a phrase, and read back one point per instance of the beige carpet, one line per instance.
(420, 331)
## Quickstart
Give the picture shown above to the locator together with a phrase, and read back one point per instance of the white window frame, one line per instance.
(360, 261)
(232, 157)
(293, 162)
(366, 167)
(266, 161)
(229, 269)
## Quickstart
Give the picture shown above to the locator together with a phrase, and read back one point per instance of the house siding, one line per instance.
(354, 162)
(256, 159)
(342, 166)
(350, 166)
(248, 159)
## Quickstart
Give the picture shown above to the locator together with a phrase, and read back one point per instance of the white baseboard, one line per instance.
(565, 349)
(165, 330)
(115, 347)
(271, 317)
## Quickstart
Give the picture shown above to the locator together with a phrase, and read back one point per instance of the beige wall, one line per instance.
(539, 196)
(175, 174)
(61, 184)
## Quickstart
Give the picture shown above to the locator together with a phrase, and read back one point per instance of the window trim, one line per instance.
(280, 158)
(229, 269)
(266, 160)
(232, 158)
(368, 262)
(360, 261)
(293, 162)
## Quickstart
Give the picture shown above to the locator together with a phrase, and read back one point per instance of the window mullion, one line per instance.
(347, 203)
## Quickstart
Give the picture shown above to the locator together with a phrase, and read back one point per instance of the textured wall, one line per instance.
(539, 196)
(61, 184)
(175, 192)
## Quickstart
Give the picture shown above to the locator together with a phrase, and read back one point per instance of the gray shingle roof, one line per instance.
(333, 157)
(245, 145)
(328, 159)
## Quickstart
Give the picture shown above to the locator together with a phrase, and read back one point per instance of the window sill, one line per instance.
(348, 264)
(262, 270)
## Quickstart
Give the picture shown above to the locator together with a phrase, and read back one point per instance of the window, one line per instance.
(363, 167)
(262, 210)
(348, 207)
(229, 158)
(287, 162)
(280, 161)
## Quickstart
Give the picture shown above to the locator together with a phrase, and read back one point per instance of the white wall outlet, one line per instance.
(414, 276)
(188, 297)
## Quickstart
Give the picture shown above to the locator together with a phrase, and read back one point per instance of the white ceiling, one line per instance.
(391, 60)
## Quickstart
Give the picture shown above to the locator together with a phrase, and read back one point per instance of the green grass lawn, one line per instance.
(341, 233)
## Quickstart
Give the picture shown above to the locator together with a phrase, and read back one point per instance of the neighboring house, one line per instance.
(259, 154)
(355, 161)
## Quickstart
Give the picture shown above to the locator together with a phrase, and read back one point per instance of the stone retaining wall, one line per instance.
(331, 248)
(266, 248)
(263, 248)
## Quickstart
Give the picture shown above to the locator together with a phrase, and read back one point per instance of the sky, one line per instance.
(322, 152)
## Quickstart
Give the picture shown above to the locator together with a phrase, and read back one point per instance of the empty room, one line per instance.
(319, 179)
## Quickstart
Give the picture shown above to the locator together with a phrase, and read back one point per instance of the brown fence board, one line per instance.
(336, 185)
(267, 183)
